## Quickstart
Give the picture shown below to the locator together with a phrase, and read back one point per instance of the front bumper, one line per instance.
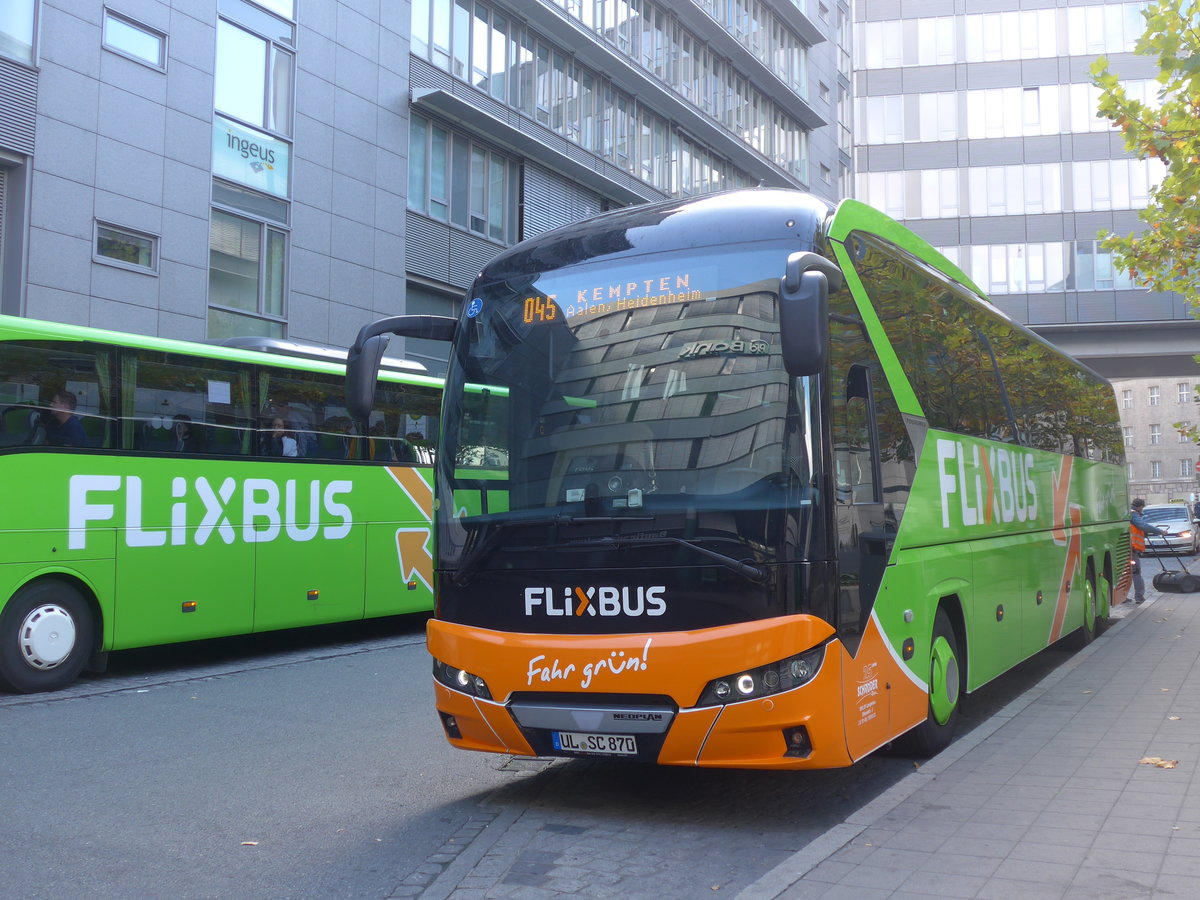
(647, 687)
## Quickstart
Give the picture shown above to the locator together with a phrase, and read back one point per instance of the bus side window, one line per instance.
(312, 408)
(861, 447)
(37, 373)
(405, 424)
(183, 404)
(892, 452)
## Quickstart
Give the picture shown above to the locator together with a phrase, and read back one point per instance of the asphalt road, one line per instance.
(312, 765)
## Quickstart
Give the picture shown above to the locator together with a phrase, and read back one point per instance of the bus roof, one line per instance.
(304, 357)
(314, 351)
(689, 223)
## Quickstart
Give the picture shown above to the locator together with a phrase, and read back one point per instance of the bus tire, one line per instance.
(945, 685)
(1104, 598)
(46, 636)
(1090, 628)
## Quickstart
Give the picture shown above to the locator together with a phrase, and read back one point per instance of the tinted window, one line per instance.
(976, 372)
(55, 393)
(184, 404)
(856, 376)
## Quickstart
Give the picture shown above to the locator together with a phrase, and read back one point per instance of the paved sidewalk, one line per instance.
(1055, 796)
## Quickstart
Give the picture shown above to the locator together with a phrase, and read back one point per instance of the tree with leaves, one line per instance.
(1166, 254)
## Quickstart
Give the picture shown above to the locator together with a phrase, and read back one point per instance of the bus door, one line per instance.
(864, 538)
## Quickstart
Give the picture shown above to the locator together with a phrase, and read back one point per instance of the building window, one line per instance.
(134, 40)
(254, 75)
(1154, 395)
(246, 277)
(1183, 432)
(1185, 392)
(1155, 434)
(285, 8)
(543, 81)
(1127, 399)
(1130, 471)
(16, 29)
(127, 249)
(1128, 432)
(455, 179)
(1155, 469)
(1185, 468)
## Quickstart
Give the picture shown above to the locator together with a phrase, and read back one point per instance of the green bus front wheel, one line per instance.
(945, 680)
(46, 635)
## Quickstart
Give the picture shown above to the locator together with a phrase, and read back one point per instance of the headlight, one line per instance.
(460, 680)
(773, 678)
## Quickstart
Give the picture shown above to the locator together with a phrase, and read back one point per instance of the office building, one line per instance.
(1160, 456)
(296, 168)
(976, 127)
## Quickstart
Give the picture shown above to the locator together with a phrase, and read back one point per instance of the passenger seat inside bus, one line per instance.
(17, 424)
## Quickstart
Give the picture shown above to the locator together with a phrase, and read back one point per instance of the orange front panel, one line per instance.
(686, 737)
(476, 733)
(505, 728)
(678, 664)
(484, 726)
(881, 697)
(750, 734)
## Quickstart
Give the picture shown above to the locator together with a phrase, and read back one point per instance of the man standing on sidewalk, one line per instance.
(1138, 528)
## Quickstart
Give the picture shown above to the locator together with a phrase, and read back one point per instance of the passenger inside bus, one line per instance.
(280, 440)
(188, 438)
(61, 426)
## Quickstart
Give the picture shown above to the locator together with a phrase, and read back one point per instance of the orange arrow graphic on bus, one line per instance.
(413, 544)
(1067, 519)
(1074, 551)
(419, 491)
(416, 558)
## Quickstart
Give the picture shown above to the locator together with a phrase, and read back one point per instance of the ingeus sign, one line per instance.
(250, 157)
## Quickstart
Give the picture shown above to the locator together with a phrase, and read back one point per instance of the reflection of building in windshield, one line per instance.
(680, 398)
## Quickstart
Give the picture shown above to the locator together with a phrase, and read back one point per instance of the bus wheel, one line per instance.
(934, 734)
(1090, 629)
(1104, 596)
(46, 633)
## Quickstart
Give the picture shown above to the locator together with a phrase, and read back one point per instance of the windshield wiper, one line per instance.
(480, 551)
(747, 570)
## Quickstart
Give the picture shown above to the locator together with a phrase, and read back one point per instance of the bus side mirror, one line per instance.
(362, 371)
(804, 312)
(362, 361)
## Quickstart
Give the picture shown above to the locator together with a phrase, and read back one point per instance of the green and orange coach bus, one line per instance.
(158, 491)
(771, 485)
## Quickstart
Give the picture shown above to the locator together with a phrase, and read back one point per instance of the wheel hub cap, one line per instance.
(943, 690)
(47, 636)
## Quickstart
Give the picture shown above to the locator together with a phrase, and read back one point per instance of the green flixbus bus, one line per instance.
(775, 486)
(160, 491)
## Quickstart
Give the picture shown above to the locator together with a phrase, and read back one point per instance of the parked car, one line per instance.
(1183, 536)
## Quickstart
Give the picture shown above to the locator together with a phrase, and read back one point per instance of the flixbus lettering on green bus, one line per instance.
(162, 491)
(982, 485)
(256, 508)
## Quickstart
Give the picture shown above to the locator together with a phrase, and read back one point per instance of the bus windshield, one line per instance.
(634, 411)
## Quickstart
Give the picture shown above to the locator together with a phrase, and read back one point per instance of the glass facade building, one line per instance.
(976, 126)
